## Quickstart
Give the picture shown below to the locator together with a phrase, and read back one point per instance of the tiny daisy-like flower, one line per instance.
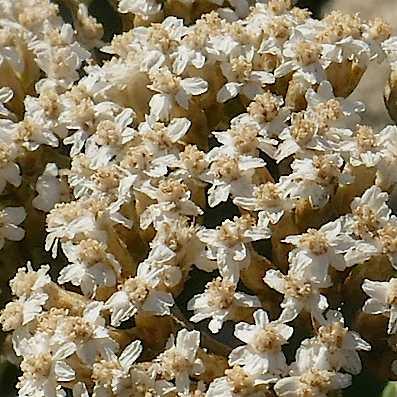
(303, 58)
(110, 375)
(109, 137)
(91, 266)
(161, 139)
(237, 382)
(369, 213)
(32, 132)
(218, 302)
(334, 347)
(336, 112)
(316, 250)
(88, 333)
(44, 366)
(229, 243)
(299, 295)
(28, 281)
(383, 300)
(140, 293)
(65, 221)
(267, 113)
(172, 90)
(21, 311)
(313, 382)
(270, 199)
(316, 178)
(243, 78)
(363, 147)
(180, 361)
(229, 175)
(48, 187)
(262, 352)
(172, 196)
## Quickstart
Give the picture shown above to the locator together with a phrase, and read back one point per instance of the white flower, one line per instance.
(172, 196)
(111, 375)
(91, 266)
(33, 131)
(159, 40)
(28, 281)
(140, 293)
(180, 360)
(364, 147)
(313, 382)
(383, 300)
(192, 49)
(21, 311)
(59, 62)
(144, 8)
(229, 175)
(177, 241)
(345, 49)
(369, 213)
(67, 220)
(172, 91)
(334, 347)
(346, 112)
(218, 302)
(44, 366)
(238, 382)
(81, 116)
(48, 188)
(229, 243)
(109, 137)
(9, 169)
(303, 58)
(299, 295)
(316, 178)
(242, 78)
(47, 108)
(163, 259)
(270, 199)
(191, 165)
(241, 138)
(269, 115)
(262, 352)
(10, 218)
(304, 135)
(161, 139)
(316, 250)
(88, 334)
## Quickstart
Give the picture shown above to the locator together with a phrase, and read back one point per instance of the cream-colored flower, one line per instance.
(262, 352)
(180, 361)
(218, 302)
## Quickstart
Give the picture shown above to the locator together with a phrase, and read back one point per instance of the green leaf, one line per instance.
(390, 390)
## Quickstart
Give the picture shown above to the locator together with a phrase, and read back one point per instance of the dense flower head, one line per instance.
(205, 211)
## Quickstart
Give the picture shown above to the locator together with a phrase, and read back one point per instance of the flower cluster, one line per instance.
(216, 217)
